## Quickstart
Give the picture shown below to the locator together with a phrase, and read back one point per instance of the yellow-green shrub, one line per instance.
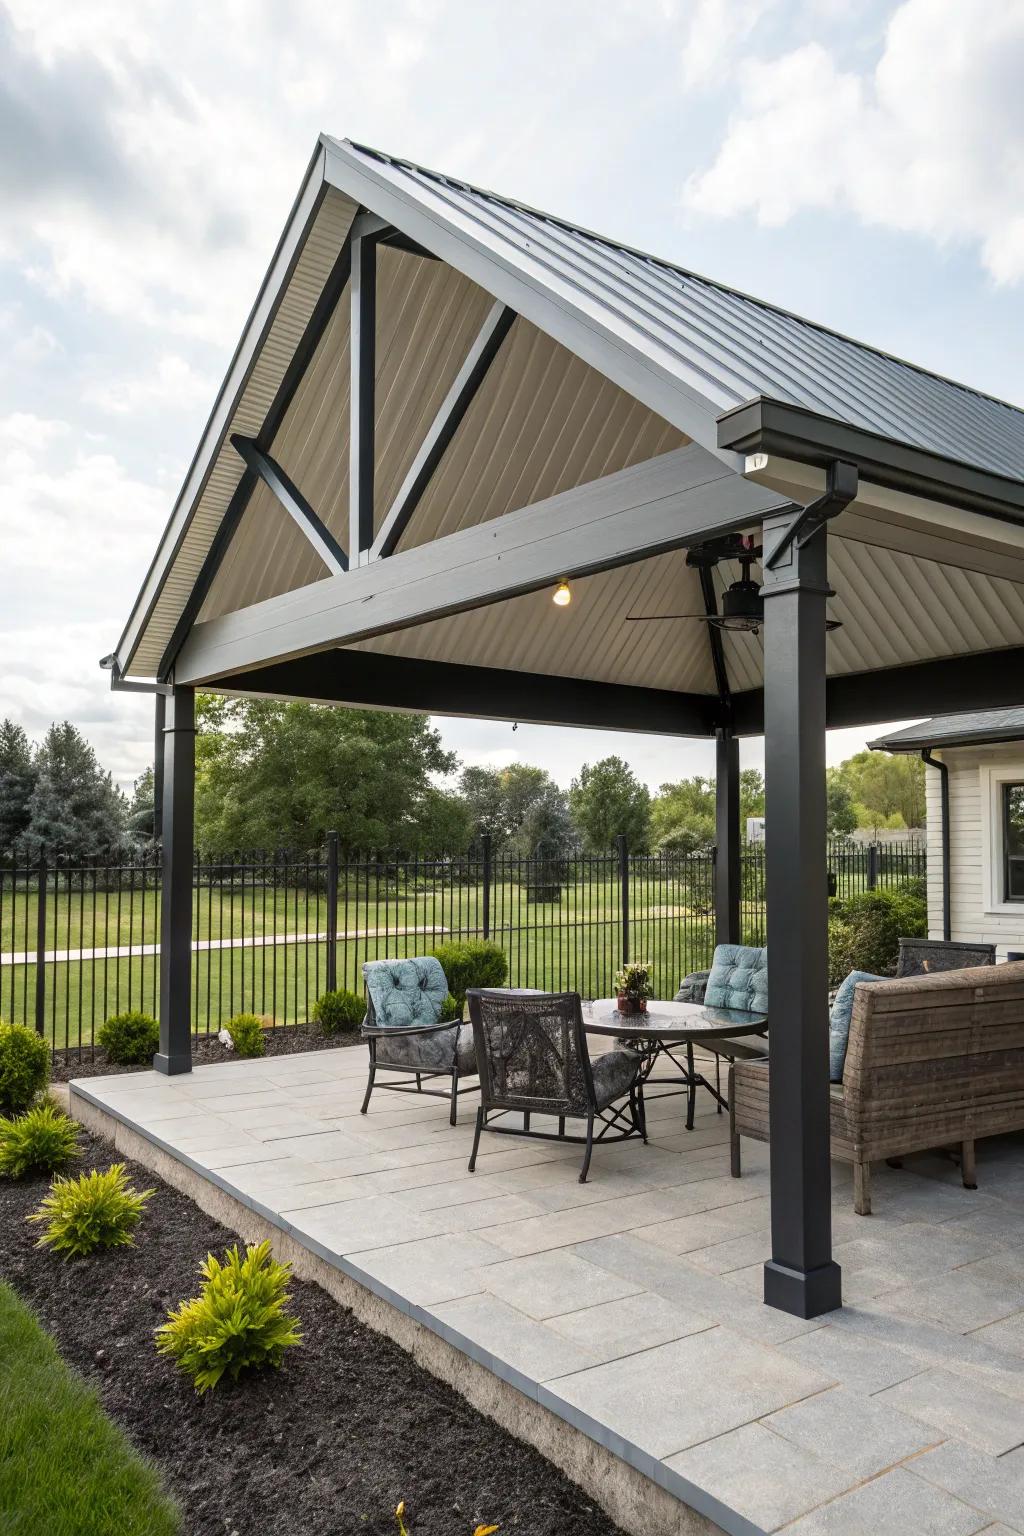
(246, 1031)
(42, 1140)
(237, 1321)
(96, 1210)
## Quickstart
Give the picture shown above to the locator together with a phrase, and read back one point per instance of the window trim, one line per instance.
(1006, 785)
(993, 778)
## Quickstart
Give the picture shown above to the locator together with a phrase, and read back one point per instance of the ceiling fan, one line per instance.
(742, 603)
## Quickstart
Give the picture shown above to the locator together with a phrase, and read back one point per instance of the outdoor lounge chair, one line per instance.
(920, 957)
(404, 1031)
(534, 1060)
(930, 1060)
(738, 978)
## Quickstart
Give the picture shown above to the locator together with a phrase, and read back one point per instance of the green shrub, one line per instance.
(237, 1320)
(864, 932)
(130, 1039)
(42, 1140)
(24, 1067)
(338, 1012)
(451, 1010)
(96, 1210)
(246, 1032)
(477, 963)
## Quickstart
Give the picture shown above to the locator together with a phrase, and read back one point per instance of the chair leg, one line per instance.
(862, 1189)
(453, 1117)
(369, 1087)
(718, 1083)
(691, 1092)
(589, 1148)
(642, 1108)
(968, 1164)
(561, 1125)
(476, 1137)
(419, 1083)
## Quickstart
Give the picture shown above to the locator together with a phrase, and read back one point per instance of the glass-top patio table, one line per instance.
(667, 1026)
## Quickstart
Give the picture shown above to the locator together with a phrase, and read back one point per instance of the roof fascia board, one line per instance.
(366, 679)
(941, 743)
(660, 505)
(771, 426)
(548, 303)
(261, 317)
(979, 680)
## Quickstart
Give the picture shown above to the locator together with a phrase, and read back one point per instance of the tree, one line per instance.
(841, 811)
(440, 825)
(546, 831)
(273, 775)
(890, 787)
(608, 801)
(501, 800)
(683, 816)
(751, 794)
(17, 781)
(74, 807)
(141, 807)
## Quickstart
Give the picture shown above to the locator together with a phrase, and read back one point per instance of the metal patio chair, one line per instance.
(533, 1059)
(920, 957)
(404, 1031)
(738, 978)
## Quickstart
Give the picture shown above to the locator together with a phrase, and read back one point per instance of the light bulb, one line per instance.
(562, 595)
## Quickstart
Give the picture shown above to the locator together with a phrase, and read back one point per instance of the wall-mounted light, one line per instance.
(562, 596)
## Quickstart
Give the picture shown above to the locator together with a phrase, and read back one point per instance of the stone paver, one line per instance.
(896, 1504)
(764, 1478)
(632, 1304)
(860, 1433)
(678, 1394)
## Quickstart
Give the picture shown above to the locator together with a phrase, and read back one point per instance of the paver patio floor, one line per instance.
(631, 1305)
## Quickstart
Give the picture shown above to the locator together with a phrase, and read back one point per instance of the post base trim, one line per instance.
(171, 1065)
(803, 1293)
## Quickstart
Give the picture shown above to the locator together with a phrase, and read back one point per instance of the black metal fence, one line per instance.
(272, 931)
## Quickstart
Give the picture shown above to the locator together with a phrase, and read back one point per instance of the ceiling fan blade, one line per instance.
(650, 618)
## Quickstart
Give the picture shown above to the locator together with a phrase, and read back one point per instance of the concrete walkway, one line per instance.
(252, 941)
(630, 1306)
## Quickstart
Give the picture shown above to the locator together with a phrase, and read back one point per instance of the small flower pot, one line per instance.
(630, 1005)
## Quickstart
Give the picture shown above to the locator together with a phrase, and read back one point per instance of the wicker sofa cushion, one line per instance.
(839, 1022)
(405, 993)
(738, 979)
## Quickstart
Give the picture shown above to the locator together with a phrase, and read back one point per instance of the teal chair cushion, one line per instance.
(839, 1023)
(405, 993)
(738, 979)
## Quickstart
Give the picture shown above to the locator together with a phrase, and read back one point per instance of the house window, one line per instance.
(1013, 842)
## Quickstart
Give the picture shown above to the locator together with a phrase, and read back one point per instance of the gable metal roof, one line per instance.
(977, 728)
(723, 344)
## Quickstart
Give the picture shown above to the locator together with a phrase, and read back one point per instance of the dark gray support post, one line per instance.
(485, 842)
(41, 948)
(727, 837)
(159, 712)
(332, 911)
(872, 866)
(622, 849)
(801, 1277)
(179, 755)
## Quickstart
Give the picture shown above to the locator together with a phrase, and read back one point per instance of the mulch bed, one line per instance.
(284, 1040)
(325, 1446)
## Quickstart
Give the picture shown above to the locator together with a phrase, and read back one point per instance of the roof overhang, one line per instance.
(793, 432)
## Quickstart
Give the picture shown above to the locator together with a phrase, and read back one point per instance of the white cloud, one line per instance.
(171, 383)
(930, 142)
(716, 29)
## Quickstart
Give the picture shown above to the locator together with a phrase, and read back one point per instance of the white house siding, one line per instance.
(970, 921)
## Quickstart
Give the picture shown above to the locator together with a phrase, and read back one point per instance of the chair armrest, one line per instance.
(390, 1032)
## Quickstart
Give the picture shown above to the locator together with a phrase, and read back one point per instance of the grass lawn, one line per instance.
(65, 1468)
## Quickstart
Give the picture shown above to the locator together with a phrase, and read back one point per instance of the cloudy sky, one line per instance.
(862, 164)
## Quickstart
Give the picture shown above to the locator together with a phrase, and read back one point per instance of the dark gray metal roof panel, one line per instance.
(731, 346)
(956, 730)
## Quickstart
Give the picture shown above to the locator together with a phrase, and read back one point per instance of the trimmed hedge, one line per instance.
(339, 1012)
(24, 1067)
(864, 932)
(131, 1039)
(476, 963)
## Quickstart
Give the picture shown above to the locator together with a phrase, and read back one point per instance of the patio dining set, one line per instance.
(912, 1065)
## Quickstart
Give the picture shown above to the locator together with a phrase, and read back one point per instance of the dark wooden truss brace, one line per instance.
(715, 643)
(362, 406)
(293, 502)
(447, 688)
(443, 428)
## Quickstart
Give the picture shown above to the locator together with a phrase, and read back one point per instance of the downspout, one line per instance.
(935, 762)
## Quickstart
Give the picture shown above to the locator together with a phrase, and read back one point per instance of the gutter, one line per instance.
(943, 769)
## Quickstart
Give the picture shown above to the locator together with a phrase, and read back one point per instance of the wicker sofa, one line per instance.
(932, 1060)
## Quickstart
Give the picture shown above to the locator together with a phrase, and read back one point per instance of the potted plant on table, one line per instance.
(633, 987)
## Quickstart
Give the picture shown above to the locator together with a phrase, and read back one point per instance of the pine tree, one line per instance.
(74, 809)
(17, 781)
(140, 807)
